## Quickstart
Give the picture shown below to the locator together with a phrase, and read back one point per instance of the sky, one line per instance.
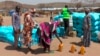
(37, 1)
(40, 1)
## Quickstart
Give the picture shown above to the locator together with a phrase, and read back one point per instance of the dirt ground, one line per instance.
(7, 49)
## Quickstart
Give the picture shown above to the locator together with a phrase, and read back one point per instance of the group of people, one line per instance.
(45, 29)
(27, 29)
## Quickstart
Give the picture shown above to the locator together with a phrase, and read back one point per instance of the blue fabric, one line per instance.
(11, 12)
(6, 34)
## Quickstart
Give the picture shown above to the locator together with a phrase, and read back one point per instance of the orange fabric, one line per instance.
(27, 30)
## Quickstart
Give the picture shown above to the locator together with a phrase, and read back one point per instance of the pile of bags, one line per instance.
(78, 24)
(95, 24)
(6, 34)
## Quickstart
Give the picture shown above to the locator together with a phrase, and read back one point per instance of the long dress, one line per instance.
(87, 32)
(27, 30)
(45, 32)
(47, 29)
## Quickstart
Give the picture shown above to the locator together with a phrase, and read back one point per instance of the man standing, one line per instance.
(66, 16)
(87, 28)
(16, 25)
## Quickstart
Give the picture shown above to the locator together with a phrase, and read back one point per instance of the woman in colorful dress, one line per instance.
(46, 30)
(28, 26)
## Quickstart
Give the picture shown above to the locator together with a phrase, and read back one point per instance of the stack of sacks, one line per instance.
(60, 30)
(6, 34)
(95, 24)
(35, 37)
(78, 23)
(57, 17)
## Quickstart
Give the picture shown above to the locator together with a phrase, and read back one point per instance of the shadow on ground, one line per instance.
(37, 51)
(77, 43)
(26, 50)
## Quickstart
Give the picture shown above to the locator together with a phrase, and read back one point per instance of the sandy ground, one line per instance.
(7, 50)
